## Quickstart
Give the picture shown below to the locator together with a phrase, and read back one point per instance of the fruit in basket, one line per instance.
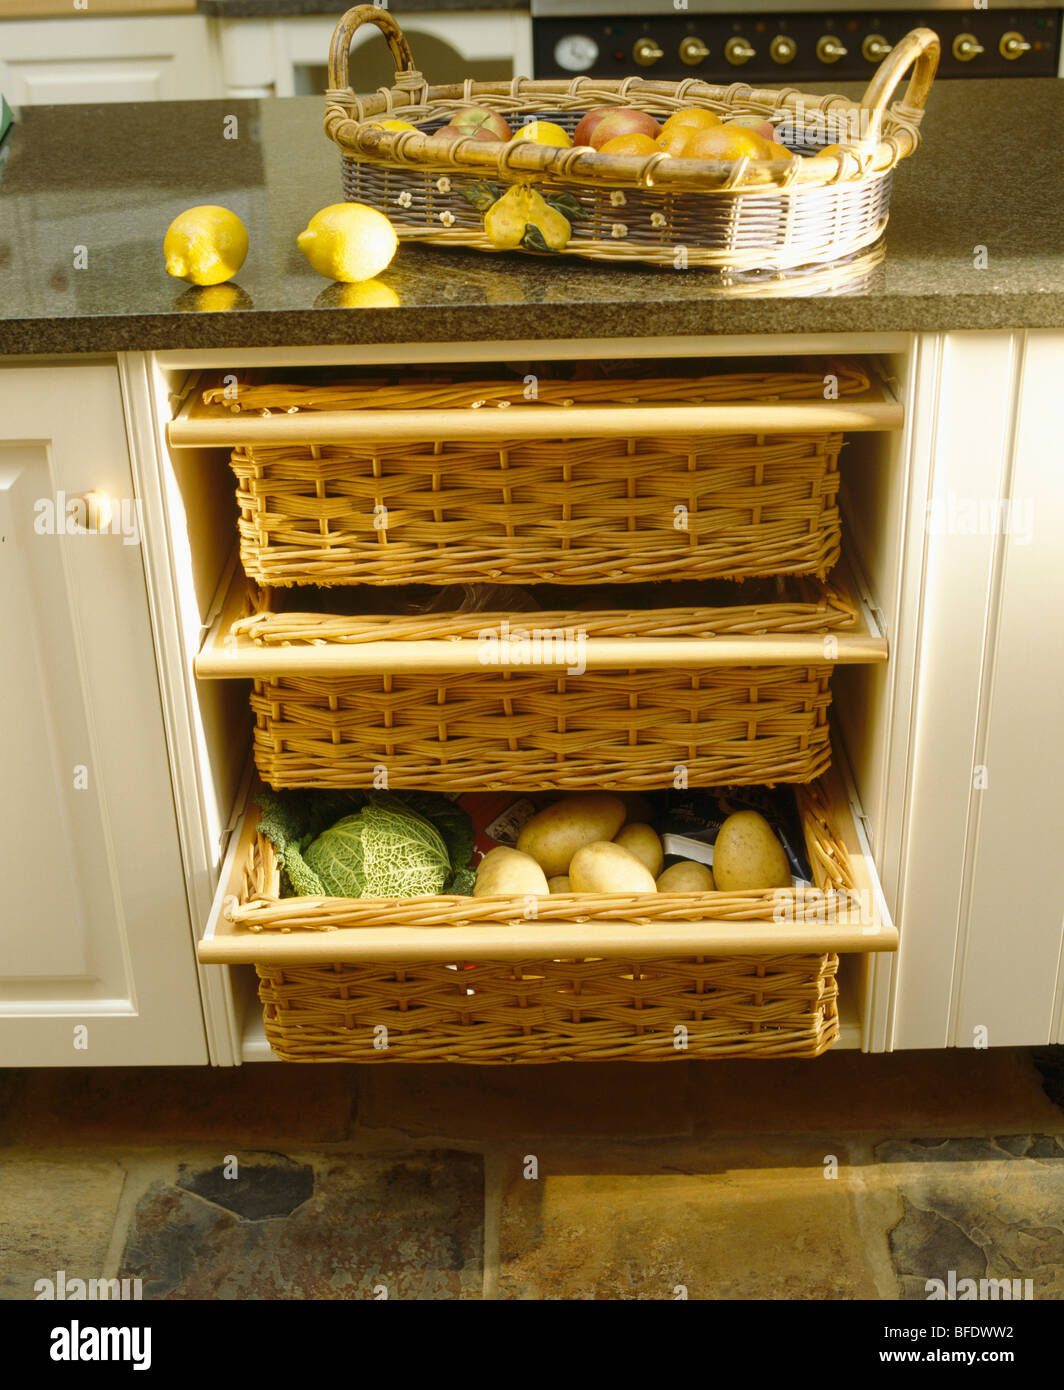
(758, 124)
(747, 854)
(688, 876)
(506, 872)
(470, 119)
(553, 836)
(624, 120)
(676, 140)
(728, 142)
(391, 125)
(691, 118)
(452, 132)
(524, 217)
(630, 144)
(603, 867)
(641, 841)
(348, 242)
(544, 133)
(205, 245)
(583, 132)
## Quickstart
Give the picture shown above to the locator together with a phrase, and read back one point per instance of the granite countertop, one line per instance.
(110, 178)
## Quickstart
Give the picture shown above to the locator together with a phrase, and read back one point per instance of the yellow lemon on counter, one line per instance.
(348, 242)
(543, 133)
(205, 245)
(366, 294)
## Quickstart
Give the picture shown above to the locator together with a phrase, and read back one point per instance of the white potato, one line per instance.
(559, 884)
(640, 840)
(552, 836)
(505, 872)
(688, 876)
(608, 868)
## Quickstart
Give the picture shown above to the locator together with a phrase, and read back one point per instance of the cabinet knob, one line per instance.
(782, 49)
(829, 50)
(693, 51)
(738, 51)
(645, 52)
(1013, 45)
(966, 47)
(92, 511)
(875, 48)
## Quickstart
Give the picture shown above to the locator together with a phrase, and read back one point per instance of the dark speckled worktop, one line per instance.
(110, 178)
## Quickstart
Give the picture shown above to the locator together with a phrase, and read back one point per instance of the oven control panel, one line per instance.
(781, 49)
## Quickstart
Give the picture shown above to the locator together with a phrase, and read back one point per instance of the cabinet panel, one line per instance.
(96, 933)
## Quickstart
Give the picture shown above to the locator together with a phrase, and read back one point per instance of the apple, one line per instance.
(624, 120)
(764, 128)
(452, 132)
(582, 133)
(469, 119)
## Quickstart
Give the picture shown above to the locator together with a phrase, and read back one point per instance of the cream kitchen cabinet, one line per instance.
(96, 951)
(88, 58)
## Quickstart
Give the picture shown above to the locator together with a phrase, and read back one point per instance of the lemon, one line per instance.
(391, 125)
(348, 242)
(205, 245)
(543, 133)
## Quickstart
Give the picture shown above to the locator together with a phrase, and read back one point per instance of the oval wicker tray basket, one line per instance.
(735, 214)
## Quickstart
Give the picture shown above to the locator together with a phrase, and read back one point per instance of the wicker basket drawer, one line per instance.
(646, 978)
(737, 693)
(592, 481)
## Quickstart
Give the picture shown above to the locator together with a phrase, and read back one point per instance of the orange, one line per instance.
(727, 142)
(676, 140)
(631, 143)
(691, 116)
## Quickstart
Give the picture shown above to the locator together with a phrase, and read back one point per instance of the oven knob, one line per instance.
(1013, 45)
(782, 49)
(829, 50)
(875, 48)
(966, 47)
(738, 51)
(693, 51)
(646, 52)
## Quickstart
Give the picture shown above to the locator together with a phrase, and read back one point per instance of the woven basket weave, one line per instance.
(542, 727)
(536, 1010)
(612, 508)
(671, 211)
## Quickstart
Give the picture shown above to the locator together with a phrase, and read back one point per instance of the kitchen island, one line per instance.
(953, 514)
(974, 241)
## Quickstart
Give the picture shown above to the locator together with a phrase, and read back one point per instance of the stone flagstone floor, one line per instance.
(851, 1177)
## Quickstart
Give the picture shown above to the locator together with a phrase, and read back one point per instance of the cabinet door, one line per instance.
(82, 58)
(96, 952)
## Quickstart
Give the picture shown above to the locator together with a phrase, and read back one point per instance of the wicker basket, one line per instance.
(616, 1007)
(677, 212)
(425, 488)
(556, 700)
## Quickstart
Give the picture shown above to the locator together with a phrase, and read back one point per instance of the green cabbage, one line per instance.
(381, 852)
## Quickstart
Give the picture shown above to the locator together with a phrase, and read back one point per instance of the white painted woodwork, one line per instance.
(86, 58)
(95, 917)
(1009, 978)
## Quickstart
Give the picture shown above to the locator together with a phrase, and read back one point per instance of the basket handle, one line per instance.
(919, 46)
(340, 48)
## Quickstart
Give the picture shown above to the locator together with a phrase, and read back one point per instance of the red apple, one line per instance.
(624, 120)
(582, 134)
(469, 119)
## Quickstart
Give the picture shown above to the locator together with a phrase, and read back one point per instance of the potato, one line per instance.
(688, 876)
(505, 872)
(608, 868)
(559, 884)
(552, 836)
(641, 841)
(748, 855)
